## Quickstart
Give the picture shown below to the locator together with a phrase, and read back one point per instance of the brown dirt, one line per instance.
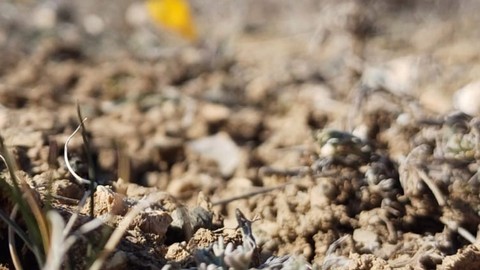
(255, 106)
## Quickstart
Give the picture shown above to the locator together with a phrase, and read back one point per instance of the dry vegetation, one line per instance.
(293, 134)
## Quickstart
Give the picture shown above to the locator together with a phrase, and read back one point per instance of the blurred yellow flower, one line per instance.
(174, 15)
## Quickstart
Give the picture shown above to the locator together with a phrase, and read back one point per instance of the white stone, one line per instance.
(467, 99)
(93, 24)
(366, 238)
(221, 148)
(44, 18)
(400, 76)
(136, 14)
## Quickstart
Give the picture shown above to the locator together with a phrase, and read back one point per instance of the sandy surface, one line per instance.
(329, 124)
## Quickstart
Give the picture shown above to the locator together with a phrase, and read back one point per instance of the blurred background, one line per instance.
(424, 48)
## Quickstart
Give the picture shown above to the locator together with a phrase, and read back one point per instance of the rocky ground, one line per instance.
(296, 134)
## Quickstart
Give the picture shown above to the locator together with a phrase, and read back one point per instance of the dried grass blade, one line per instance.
(11, 241)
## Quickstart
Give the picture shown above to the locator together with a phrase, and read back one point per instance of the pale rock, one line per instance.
(22, 137)
(155, 221)
(367, 239)
(93, 24)
(467, 99)
(44, 18)
(106, 202)
(220, 148)
(181, 222)
(136, 14)
(400, 76)
(67, 188)
(318, 197)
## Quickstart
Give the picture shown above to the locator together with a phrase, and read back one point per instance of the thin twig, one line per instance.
(71, 200)
(452, 225)
(331, 259)
(249, 194)
(425, 249)
(268, 171)
(246, 226)
(302, 171)
(434, 188)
